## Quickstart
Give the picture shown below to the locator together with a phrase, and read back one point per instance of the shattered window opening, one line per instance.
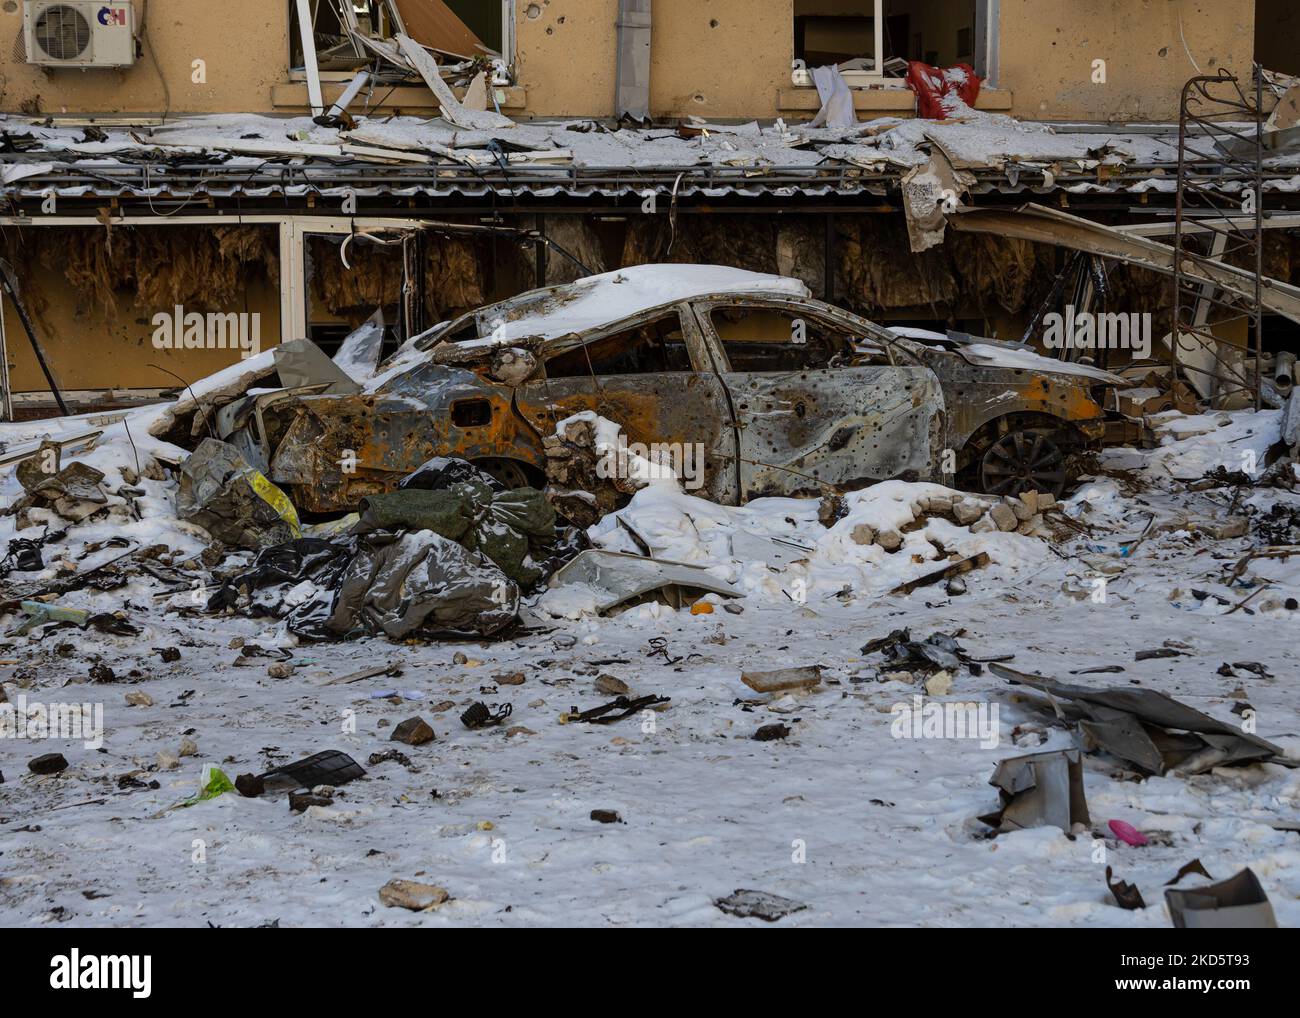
(654, 347)
(770, 339)
(871, 41)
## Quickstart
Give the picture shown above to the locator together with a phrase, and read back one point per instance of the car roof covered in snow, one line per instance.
(610, 297)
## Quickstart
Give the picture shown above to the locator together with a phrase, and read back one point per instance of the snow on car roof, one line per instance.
(606, 298)
(999, 355)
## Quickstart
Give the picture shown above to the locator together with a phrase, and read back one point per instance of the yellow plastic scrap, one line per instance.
(275, 498)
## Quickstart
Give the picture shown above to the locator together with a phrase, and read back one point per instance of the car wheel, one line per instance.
(1026, 460)
(511, 473)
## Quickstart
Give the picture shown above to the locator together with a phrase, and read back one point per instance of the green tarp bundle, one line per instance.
(506, 526)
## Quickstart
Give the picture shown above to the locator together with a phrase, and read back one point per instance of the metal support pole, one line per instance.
(8, 280)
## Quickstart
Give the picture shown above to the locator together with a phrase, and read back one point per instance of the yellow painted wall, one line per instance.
(90, 349)
(712, 58)
(245, 44)
(1048, 47)
(729, 58)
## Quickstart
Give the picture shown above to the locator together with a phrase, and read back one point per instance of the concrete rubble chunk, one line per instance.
(1003, 517)
(413, 732)
(890, 540)
(783, 678)
(1234, 526)
(863, 533)
(1020, 507)
(612, 685)
(411, 894)
(967, 511)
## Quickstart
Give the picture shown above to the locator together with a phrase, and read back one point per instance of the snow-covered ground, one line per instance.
(860, 826)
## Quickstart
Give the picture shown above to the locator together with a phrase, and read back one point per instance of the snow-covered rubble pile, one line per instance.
(1192, 445)
(777, 549)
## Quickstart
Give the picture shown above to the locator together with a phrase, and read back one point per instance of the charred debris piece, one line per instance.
(331, 767)
(937, 652)
(750, 904)
(1151, 731)
(605, 713)
(480, 715)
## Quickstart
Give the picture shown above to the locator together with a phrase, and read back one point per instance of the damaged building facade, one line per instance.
(173, 204)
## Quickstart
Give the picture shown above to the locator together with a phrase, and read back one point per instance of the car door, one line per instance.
(818, 400)
(651, 376)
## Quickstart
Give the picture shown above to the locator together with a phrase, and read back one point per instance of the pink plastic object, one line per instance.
(1127, 833)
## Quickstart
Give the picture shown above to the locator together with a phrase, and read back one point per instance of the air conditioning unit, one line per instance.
(79, 33)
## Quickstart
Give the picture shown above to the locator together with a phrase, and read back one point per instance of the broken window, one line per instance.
(872, 40)
(652, 348)
(344, 32)
(767, 339)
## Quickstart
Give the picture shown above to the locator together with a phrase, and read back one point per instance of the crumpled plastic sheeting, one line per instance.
(223, 493)
(514, 528)
(400, 585)
(417, 584)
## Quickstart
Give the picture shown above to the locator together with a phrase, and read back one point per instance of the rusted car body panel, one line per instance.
(846, 427)
(864, 419)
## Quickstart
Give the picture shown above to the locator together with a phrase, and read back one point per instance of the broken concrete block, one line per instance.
(1031, 527)
(411, 894)
(280, 670)
(413, 732)
(1020, 508)
(1045, 501)
(938, 505)
(1030, 499)
(1233, 526)
(983, 525)
(1003, 517)
(890, 540)
(863, 533)
(612, 685)
(967, 511)
(782, 678)
(139, 698)
(939, 684)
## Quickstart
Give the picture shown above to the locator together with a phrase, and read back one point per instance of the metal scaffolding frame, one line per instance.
(1218, 216)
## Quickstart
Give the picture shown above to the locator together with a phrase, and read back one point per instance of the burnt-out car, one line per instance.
(782, 393)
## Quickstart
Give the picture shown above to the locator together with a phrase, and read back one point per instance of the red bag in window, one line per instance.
(942, 92)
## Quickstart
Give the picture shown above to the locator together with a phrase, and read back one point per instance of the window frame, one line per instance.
(828, 316)
(985, 43)
(696, 349)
